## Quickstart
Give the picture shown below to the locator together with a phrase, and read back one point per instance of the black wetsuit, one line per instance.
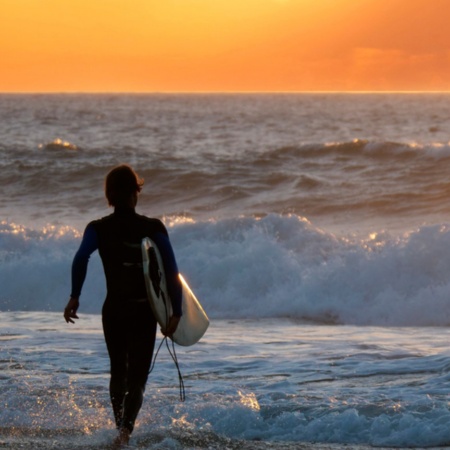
(128, 323)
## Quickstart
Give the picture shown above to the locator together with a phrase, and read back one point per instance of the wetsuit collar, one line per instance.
(124, 211)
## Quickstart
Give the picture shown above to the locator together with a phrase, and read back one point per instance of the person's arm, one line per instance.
(172, 280)
(80, 262)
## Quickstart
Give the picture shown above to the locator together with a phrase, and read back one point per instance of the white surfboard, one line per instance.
(194, 322)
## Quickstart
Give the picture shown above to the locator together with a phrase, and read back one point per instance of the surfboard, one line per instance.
(194, 322)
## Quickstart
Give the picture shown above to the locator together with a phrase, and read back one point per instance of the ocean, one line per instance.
(313, 228)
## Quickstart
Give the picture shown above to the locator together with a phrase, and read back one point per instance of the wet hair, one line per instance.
(121, 184)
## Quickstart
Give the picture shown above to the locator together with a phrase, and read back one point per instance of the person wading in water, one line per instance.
(129, 325)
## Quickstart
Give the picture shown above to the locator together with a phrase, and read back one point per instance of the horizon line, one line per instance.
(224, 92)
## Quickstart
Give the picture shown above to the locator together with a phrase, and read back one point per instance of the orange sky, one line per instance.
(223, 45)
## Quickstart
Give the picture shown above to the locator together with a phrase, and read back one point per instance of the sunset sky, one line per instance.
(224, 45)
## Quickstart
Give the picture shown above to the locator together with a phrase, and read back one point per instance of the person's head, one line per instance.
(122, 186)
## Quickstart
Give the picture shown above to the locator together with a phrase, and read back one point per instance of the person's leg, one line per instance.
(114, 329)
(141, 342)
(117, 391)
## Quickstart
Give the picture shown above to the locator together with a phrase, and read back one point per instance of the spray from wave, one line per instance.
(276, 266)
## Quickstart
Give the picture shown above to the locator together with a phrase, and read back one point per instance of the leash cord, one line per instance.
(180, 377)
(156, 278)
(173, 354)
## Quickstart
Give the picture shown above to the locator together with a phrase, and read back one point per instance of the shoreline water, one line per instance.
(249, 384)
(21, 439)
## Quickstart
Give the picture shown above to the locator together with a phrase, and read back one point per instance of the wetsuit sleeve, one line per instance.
(171, 271)
(80, 262)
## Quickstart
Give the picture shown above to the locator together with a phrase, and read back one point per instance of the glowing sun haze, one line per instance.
(224, 45)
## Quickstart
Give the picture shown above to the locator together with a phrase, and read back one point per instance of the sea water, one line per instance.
(314, 229)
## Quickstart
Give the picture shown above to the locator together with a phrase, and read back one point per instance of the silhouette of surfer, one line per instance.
(129, 325)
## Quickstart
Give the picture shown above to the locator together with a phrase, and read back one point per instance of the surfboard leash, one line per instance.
(173, 354)
(156, 277)
(175, 360)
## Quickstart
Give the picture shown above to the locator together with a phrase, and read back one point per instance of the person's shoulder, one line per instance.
(97, 222)
(156, 224)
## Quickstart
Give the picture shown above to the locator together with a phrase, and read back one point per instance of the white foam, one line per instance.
(258, 380)
(278, 266)
(284, 266)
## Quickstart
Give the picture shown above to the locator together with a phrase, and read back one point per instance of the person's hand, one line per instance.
(70, 311)
(171, 326)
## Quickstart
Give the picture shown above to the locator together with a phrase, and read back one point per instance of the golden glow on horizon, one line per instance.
(224, 45)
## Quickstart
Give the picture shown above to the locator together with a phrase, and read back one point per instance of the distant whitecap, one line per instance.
(58, 144)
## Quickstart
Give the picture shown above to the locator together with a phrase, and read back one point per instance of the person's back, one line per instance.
(119, 243)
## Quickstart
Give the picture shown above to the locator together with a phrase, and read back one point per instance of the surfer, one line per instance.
(129, 325)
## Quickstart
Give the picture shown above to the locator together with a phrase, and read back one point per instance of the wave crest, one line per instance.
(58, 144)
(274, 266)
